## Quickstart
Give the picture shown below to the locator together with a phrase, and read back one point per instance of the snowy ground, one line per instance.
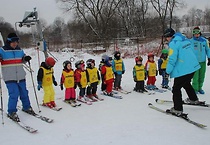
(118, 122)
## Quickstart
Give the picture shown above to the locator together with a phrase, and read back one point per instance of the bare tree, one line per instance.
(96, 13)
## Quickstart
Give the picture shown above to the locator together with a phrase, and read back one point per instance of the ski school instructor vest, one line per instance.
(69, 79)
(151, 68)
(118, 65)
(140, 72)
(109, 73)
(47, 76)
(93, 75)
(164, 63)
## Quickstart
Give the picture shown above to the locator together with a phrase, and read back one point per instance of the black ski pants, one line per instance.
(183, 82)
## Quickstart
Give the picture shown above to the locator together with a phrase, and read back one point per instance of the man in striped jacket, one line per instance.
(12, 58)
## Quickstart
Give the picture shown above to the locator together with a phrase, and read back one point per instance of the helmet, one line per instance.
(79, 63)
(117, 55)
(165, 51)
(169, 32)
(65, 63)
(50, 61)
(196, 30)
(107, 59)
(150, 55)
(89, 61)
(138, 58)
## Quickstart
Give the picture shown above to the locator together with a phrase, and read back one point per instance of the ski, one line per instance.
(183, 116)
(43, 118)
(98, 98)
(113, 96)
(53, 108)
(84, 100)
(24, 126)
(147, 93)
(72, 103)
(203, 104)
(160, 90)
(123, 91)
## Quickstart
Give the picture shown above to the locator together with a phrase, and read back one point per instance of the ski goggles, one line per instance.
(13, 39)
(196, 31)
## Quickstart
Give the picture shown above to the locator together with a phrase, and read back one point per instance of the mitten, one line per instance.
(61, 86)
(27, 58)
(208, 63)
(55, 83)
(39, 86)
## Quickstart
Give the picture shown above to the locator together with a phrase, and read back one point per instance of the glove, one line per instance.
(39, 86)
(55, 83)
(134, 78)
(160, 72)
(79, 85)
(208, 62)
(166, 76)
(123, 72)
(27, 58)
(61, 86)
(88, 84)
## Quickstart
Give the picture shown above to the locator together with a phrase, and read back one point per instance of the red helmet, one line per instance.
(50, 61)
(150, 55)
(138, 58)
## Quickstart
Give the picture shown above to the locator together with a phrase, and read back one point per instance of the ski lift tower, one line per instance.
(31, 18)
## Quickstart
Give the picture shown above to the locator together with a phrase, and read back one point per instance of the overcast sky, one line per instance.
(13, 10)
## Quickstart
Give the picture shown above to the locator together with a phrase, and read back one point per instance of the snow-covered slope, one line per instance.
(118, 122)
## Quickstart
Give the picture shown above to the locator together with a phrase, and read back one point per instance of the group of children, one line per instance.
(150, 71)
(87, 79)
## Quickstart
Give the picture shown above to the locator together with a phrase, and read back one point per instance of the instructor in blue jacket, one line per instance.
(202, 51)
(182, 64)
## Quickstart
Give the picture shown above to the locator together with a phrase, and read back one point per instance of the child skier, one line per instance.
(151, 69)
(162, 63)
(45, 79)
(102, 63)
(107, 75)
(139, 75)
(81, 80)
(93, 79)
(118, 69)
(67, 79)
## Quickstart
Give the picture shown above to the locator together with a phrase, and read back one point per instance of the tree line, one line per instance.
(103, 21)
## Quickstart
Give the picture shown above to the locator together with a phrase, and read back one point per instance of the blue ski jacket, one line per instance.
(181, 60)
(201, 48)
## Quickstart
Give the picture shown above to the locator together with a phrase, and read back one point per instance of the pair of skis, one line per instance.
(72, 103)
(114, 95)
(183, 115)
(29, 128)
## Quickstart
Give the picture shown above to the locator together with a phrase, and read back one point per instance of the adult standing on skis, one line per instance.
(12, 58)
(118, 69)
(182, 64)
(201, 50)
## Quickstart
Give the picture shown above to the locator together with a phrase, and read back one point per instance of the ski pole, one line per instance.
(34, 86)
(2, 116)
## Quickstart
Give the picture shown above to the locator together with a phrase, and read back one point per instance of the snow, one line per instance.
(127, 121)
